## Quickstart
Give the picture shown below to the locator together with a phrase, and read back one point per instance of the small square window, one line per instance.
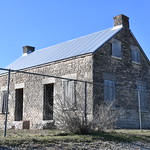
(116, 48)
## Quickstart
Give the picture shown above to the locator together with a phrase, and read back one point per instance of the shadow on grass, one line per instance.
(108, 136)
(104, 136)
(111, 136)
(119, 137)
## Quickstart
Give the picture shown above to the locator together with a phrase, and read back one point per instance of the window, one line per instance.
(142, 97)
(109, 90)
(69, 94)
(48, 101)
(3, 101)
(116, 48)
(135, 54)
(18, 104)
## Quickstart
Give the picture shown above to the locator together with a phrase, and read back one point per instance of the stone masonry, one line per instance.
(94, 67)
(77, 68)
(126, 75)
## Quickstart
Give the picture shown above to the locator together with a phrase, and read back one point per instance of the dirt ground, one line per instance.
(96, 145)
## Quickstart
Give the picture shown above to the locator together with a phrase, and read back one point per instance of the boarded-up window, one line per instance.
(142, 97)
(116, 48)
(69, 94)
(109, 90)
(18, 104)
(135, 54)
(48, 102)
(3, 102)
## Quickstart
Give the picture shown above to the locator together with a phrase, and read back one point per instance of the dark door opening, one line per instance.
(18, 104)
(48, 102)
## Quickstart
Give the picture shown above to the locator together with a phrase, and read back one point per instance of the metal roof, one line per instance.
(79, 46)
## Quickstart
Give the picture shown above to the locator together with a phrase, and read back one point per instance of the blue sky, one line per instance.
(42, 23)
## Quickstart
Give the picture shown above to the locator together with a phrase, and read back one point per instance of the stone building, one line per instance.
(112, 58)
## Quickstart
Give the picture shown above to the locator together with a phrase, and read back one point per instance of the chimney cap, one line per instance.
(121, 20)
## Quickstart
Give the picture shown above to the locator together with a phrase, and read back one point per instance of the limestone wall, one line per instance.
(33, 88)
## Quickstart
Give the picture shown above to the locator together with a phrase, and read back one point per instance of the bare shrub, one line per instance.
(71, 117)
(105, 116)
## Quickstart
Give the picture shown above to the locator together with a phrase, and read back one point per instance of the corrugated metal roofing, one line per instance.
(75, 47)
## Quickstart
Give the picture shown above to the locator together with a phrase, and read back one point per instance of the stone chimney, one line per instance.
(121, 20)
(28, 49)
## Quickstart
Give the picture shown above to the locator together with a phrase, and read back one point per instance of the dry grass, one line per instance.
(134, 132)
(18, 137)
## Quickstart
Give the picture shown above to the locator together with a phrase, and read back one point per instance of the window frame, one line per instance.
(135, 54)
(69, 101)
(143, 98)
(116, 50)
(109, 90)
(3, 101)
(48, 101)
(19, 104)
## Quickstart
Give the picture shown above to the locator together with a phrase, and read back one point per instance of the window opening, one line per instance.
(18, 104)
(109, 90)
(69, 94)
(116, 48)
(48, 102)
(3, 101)
(143, 97)
(135, 54)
